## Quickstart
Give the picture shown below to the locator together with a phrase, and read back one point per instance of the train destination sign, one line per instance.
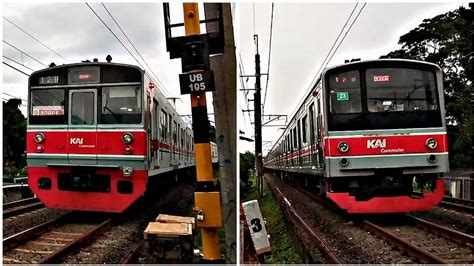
(196, 82)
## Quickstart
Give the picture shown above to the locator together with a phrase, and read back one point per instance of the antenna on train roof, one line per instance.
(95, 60)
(52, 64)
(108, 58)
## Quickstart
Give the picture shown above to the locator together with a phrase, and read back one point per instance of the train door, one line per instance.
(319, 139)
(299, 146)
(174, 145)
(312, 139)
(155, 123)
(82, 128)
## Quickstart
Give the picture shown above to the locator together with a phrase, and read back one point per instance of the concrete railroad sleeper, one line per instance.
(46, 252)
(324, 247)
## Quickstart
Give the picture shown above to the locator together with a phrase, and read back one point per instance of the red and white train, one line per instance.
(97, 132)
(370, 136)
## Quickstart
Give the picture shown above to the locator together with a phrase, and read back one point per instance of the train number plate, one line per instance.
(196, 82)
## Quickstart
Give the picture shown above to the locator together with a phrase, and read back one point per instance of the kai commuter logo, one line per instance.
(376, 143)
(79, 141)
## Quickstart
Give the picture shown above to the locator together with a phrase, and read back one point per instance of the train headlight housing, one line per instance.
(431, 143)
(39, 138)
(127, 138)
(343, 146)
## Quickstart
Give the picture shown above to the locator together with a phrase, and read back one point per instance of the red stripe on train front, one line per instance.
(112, 201)
(389, 204)
(382, 145)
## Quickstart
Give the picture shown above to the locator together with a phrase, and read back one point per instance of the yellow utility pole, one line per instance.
(207, 199)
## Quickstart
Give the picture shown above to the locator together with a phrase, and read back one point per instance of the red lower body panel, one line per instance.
(389, 204)
(111, 201)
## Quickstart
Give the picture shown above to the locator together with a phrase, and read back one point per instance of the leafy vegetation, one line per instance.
(446, 40)
(14, 138)
(247, 164)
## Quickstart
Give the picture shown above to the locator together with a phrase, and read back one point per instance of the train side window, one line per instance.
(163, 119)
(304, 128)
(170, 121)
(295, 139)
(175, 137)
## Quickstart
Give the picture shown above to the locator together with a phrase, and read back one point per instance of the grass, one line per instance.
(282, 242)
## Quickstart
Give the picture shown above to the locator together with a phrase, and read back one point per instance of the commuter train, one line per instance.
(98, 132)
(370, 136)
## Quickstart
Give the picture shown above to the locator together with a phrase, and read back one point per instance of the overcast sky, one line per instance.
(73, 31)
(302, 36)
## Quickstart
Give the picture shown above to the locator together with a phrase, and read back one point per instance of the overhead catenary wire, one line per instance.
(333, 53)
(269, 56)
(14, 47)
(15, 96)
(13, 60)
(136, 50)
(34, 38)
(5, 63)
(115, 35)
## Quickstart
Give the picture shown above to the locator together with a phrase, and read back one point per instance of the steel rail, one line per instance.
(19, 202)
(20, 210)
(453, 235)
(131, 256)
(462, 205)
(412, 250)
(324, 247)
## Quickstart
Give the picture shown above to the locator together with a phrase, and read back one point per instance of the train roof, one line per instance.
(86, 64)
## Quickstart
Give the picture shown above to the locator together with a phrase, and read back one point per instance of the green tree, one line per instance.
(14, 135)
(447, 40)
(247, 162)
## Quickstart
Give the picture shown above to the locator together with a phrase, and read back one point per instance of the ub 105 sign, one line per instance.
(196, 82)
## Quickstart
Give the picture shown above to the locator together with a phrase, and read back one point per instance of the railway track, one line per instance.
(424, 241)
(326, 250)
(457, 204)
(21, 206)
(51, 241)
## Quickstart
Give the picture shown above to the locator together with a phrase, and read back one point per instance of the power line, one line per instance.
(11, 45)
(342, 40)
(34, 38)
(269, 56)
(334, 44)
(16, 69)
(14, 96)
(116, 37)
(18, 63)
(350, 27)
(136, 50)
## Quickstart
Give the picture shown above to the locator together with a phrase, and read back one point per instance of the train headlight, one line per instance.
(343, 146)
(39, 138)
(431, 143)
(127, 138)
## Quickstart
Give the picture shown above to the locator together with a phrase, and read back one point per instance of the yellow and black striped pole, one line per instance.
(207, 198)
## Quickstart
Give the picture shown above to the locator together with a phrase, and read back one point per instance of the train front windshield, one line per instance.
(86, 95)
(383, 98)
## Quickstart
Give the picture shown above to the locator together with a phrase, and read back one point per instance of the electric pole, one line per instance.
(258, 123)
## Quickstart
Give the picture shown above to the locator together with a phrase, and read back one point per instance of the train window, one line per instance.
(121, 105)
(400, 89)
(175, 135)
(81, 111)
(303, 125)
(164, 122)
(295, 139)
(344, 90)
(47, 107)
